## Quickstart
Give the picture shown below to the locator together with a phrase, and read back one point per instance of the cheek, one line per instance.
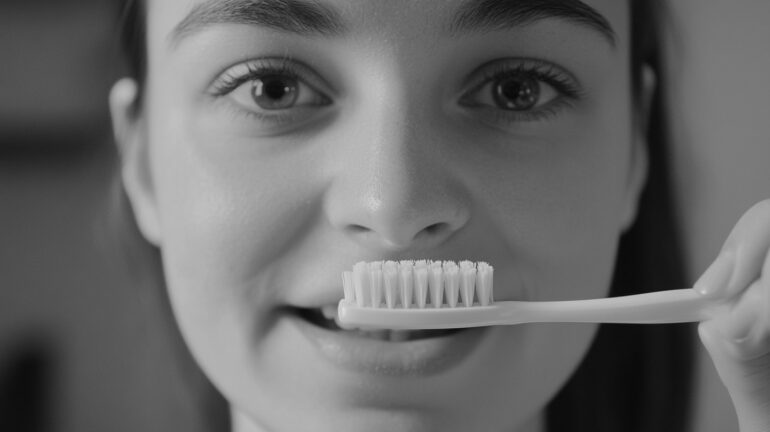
(560, 209)
(225, 215)
(227, 218)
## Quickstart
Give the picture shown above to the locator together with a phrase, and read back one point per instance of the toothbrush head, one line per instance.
(390, 294)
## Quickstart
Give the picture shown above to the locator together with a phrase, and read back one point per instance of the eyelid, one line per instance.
(560, 78)
(570, 92)
(235, 75)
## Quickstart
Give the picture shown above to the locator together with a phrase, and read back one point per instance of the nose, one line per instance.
(396, 190)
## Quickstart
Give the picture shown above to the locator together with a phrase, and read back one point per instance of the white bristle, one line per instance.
(347, 285)
(467, 282)
(484, 283)
(436, 284)
(451, 282)
(407, 283)
(390, 283)
(375, 275)
(361, 283)
(421, 283)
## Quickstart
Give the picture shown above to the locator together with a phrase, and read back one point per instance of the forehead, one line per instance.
(173, 20)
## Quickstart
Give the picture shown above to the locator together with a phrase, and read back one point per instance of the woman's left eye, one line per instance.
(515, 92)
(521, 90)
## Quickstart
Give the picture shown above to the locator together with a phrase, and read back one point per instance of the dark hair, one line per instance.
(638, 378)
(134, 40)
(198, 398)
(634, 378)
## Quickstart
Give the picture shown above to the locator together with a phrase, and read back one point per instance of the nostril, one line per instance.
(431, 234)
(358, 228)
(402, 235)
(436, 228)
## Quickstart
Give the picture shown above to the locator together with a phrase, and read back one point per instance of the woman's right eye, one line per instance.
(273, 91)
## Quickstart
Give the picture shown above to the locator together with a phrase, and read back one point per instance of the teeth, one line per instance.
(329, 312)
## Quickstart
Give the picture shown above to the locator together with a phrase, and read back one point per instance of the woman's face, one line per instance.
(279, 142)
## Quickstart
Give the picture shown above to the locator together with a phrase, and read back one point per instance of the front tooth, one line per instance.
(329, 312)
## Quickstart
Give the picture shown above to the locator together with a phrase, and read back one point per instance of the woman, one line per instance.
(268, 145)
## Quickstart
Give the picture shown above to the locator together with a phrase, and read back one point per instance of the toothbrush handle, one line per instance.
(682, 305)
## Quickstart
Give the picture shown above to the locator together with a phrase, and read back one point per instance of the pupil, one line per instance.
(275, 92)
(275, 89)
(516, 93)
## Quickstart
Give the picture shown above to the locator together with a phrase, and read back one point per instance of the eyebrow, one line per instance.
(304, 17)
(490, 15)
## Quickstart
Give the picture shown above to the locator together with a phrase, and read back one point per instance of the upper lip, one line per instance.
(317, 297)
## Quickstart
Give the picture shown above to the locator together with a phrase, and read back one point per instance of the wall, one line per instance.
(718, 65)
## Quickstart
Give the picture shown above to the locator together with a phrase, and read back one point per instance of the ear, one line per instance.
(131, 139)
(639, 163)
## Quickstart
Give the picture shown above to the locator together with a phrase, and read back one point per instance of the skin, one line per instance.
(737, 337)
(254, 215)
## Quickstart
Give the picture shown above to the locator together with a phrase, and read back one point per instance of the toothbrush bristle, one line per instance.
(421, 283)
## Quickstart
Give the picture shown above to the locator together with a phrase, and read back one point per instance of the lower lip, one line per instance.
(420, 357)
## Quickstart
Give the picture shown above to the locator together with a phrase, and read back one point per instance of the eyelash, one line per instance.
(229, 81)
(236, 76)
(563, 82)
(570, 92)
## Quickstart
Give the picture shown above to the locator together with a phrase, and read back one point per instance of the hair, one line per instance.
(634, 378)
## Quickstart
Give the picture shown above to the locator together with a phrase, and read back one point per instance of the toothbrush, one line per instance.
(410, 295)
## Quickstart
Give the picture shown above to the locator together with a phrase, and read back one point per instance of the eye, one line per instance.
(521, 89)
(275, 93)
(517, 92)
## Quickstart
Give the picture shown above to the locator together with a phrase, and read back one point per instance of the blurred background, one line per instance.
(77, 350)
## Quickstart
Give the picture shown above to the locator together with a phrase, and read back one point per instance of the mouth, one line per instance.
(393, 353)
(326, 318)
